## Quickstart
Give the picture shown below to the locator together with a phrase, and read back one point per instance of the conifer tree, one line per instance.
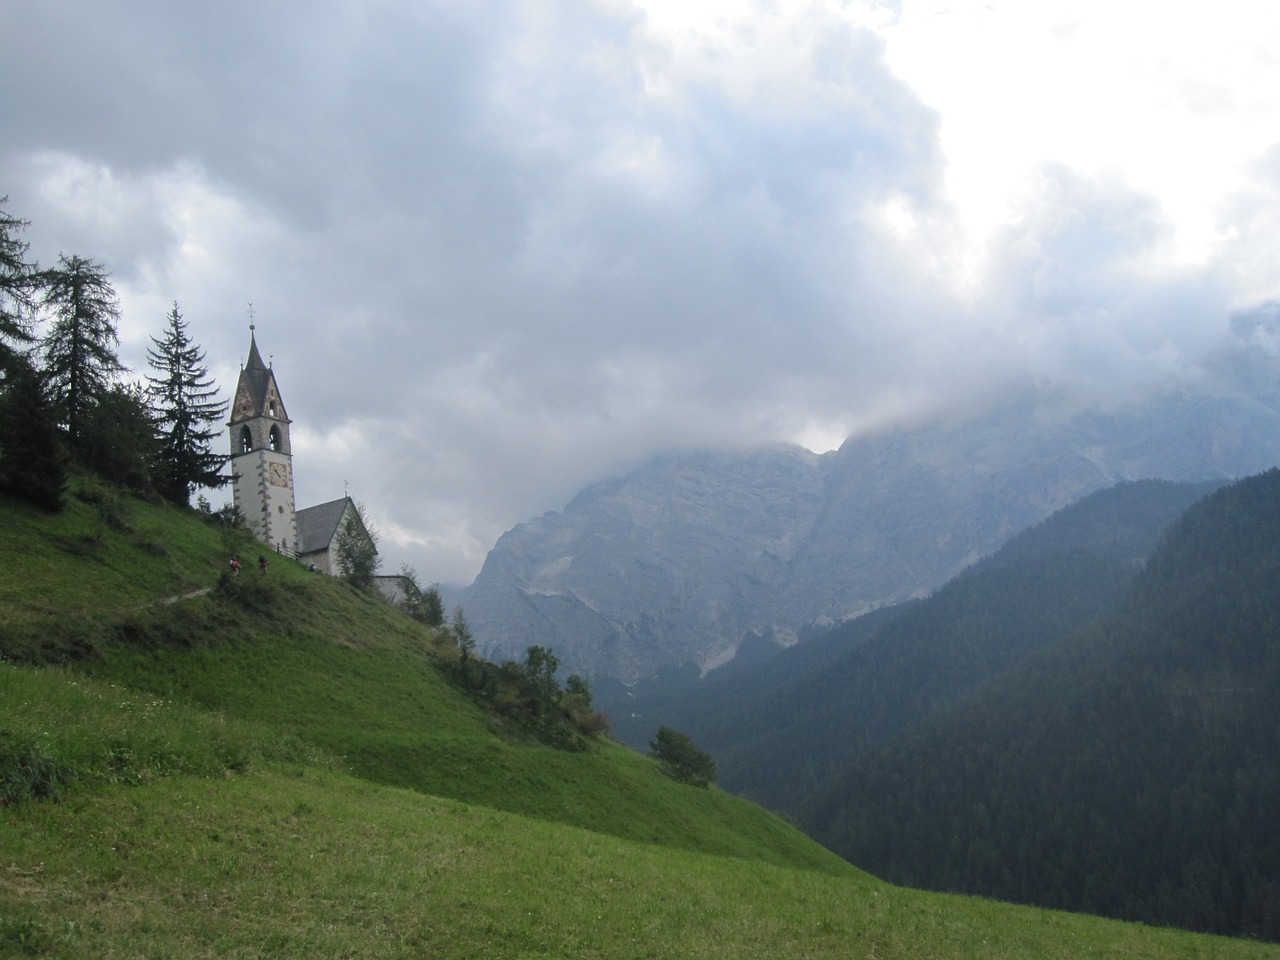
(423, 604)
(466, 642)
(80, 347)
(118, 441)
(19, 282)
(432, 606)
(357, 548)
(187, 412)
(32, 462)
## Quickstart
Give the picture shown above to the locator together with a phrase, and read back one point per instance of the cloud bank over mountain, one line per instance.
(501, 249)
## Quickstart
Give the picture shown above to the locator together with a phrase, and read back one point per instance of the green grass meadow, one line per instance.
(304, 862)
(282, 767)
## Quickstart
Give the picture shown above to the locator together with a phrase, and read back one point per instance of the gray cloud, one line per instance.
(498, 250)
(1082, 302)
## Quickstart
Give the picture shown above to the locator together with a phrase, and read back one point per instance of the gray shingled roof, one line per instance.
(318, 525)
(257, 377)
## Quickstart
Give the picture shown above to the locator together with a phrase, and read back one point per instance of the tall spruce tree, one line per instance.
(80, 348)
(187, 411)
(19, 284)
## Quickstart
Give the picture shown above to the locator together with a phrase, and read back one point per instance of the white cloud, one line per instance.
(501, 249)
(1174, 96)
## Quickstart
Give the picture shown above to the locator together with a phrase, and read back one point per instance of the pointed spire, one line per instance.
(255, 358)
(256, 392)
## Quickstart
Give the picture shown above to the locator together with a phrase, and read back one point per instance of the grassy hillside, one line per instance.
(282, 769)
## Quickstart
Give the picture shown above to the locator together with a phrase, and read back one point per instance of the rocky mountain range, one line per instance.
(683, 557)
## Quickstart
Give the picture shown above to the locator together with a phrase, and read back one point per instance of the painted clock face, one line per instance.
(279, 474)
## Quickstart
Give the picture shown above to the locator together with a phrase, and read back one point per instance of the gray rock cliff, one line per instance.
(678, 560)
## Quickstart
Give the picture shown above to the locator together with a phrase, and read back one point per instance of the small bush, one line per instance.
(526, 700)
(138, 630)
(56, 642)
(153, 548)
(27, 771)
(682, 759)
(114, 514)
(22, 934)
(113, 508)
(91, 491)
(252, 591)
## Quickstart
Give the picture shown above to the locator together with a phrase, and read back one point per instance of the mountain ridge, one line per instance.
(799, 717)
(681, 558)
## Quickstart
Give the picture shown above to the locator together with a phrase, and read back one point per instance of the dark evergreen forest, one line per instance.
(782, 728)
(1087, 719)
(65, 401)
(1131, 769)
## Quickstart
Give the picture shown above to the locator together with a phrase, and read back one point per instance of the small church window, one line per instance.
(275, 438)
(272, 408)
(246, 440)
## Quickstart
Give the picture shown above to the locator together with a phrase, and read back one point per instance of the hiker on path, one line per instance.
(262, 563)
(235, 566)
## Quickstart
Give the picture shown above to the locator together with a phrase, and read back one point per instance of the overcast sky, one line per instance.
(498, 250)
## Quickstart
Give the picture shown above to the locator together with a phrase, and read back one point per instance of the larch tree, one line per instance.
(80, 359)
(184, 401)
(19, 284)
(356, 548)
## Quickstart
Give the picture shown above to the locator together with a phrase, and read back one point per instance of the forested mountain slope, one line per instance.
(779, 733)
(1131, 770)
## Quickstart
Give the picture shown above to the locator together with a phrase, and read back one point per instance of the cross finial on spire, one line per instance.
(250, 316)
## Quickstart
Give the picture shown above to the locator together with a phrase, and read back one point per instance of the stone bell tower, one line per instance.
(261, 458)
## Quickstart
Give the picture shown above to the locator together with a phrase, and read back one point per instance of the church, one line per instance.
(262, 473)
